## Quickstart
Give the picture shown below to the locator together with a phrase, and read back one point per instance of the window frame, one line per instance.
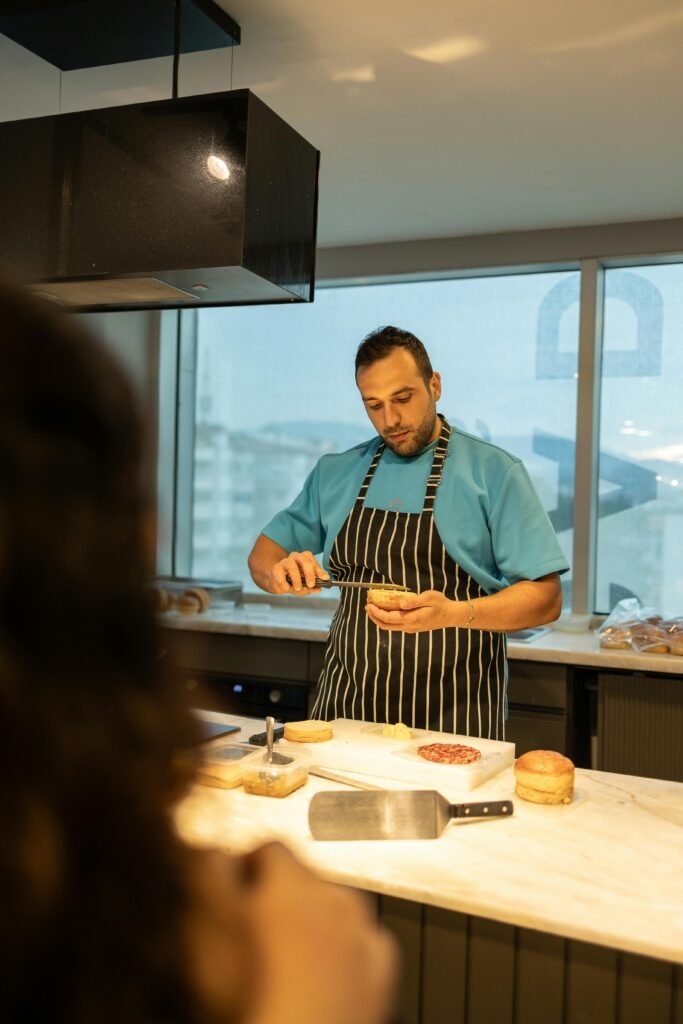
(178, 503)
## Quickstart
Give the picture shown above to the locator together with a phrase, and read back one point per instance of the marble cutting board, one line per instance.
(360, 747)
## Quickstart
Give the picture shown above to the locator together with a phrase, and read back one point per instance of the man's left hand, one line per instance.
(418, 613)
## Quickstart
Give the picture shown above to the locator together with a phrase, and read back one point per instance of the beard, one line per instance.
(418, 436)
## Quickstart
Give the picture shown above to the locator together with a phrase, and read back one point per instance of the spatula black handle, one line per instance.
(486, 809)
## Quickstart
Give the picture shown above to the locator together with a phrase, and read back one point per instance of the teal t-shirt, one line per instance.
(487, 512)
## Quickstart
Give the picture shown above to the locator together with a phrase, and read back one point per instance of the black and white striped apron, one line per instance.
(452, 679)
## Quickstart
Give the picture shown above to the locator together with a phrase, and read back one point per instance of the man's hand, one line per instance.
(277, 572)
(522, 605)
(418, 612)
(296, 574)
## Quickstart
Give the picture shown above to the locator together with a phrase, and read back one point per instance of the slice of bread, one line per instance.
(313, 730)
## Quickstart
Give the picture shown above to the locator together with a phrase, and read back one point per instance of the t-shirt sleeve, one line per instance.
(299, 527)
(525, 546)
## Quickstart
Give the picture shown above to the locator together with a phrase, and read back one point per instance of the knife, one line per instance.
(393, 814)
(326, 584)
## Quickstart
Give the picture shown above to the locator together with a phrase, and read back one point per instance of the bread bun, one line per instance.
(390, 600)
(201, 595)
(676, 642)
(313, 730)
(187, 604)
(160, 599)
(616, 638)
(544, 777)
(651, 640)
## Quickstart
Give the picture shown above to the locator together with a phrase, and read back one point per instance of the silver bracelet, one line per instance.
(471, 608)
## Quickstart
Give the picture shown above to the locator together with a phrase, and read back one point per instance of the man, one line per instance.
(448, 515)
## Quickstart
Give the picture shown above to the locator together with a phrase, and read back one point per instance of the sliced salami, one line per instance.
(449, 753)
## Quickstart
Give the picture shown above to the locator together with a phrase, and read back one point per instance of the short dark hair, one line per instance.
(381, 342)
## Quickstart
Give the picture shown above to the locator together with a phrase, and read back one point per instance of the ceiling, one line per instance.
(443, 118)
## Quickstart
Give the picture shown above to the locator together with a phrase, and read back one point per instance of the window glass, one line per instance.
(640, 501)
(275, 391)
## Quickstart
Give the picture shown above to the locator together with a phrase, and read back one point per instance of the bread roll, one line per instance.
(187, 604)
(390, 600)
(616, 638)
(313, 730)
(544, 777)
(650, 639)
(160, 599)
(676, 642)
(201, 595)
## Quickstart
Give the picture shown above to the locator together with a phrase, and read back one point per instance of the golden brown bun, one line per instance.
(544, 777)
(676, 642)
(187, 604)
(313, 730)
(616, 638)
(387, 599)
(539, 796)
(161, 599)
(650, 639)
(201, 595)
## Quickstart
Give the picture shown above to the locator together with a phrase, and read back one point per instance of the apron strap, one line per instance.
(360, 499)
(435, 473)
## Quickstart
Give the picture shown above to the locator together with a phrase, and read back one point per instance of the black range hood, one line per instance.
(200, 201)
(75, 34)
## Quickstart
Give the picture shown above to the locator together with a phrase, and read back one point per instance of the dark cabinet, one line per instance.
(257, 676)
(548, 709)
(640, 724)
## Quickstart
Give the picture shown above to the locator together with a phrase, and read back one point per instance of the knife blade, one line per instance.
(326, 584)
(393, 814)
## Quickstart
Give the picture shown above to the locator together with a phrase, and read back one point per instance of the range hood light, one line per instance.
(132, 207)
(218, 167)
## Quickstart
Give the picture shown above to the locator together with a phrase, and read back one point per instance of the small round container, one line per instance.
(286, 773)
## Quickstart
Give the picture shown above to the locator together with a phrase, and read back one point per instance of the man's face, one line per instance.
(401, 406)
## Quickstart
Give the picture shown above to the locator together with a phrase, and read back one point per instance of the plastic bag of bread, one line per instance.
(617, 631)
(674, 630)
(649, 638)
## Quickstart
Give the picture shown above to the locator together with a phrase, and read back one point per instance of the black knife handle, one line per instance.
(325, 584)
(486, 809)
(259, 738)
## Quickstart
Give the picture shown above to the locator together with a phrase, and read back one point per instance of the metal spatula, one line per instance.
(393, 814)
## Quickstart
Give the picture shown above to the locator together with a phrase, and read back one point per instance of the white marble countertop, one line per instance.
(606, 869)
(294, 621)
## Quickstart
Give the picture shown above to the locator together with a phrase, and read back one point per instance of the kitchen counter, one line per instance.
(290, 620)
(604, 870)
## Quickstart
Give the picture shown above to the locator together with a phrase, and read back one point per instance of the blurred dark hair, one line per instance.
(381, 343)
(91, 874)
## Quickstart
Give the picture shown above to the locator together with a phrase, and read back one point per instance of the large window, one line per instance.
(640, 502)
(275, 390)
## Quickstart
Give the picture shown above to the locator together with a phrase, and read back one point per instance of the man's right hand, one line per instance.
(296, 574)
